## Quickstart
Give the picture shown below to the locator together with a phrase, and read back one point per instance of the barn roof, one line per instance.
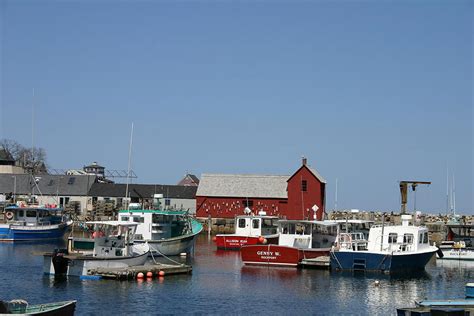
(243, 185)
(313, 171)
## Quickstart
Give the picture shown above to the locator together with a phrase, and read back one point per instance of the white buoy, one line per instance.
(377, 282)
(183, 254)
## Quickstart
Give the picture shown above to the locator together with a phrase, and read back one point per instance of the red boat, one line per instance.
(250, 230)
(299, 242)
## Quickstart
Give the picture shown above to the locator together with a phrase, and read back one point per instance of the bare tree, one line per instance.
(34, 160)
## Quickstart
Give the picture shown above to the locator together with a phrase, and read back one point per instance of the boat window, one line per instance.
(30, 213)
(291, 228)
(138, 219)
(125, 218)
(408, 238)
(425, 238)
(241, 222)
(256, 223)
(302, 229)
(284, 228)
(21, 213)
(268, 223)
(392, 238)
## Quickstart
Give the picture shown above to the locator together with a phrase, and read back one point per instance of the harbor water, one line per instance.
(221, 284)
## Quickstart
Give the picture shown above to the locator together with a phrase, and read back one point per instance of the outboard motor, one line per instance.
(60, 263)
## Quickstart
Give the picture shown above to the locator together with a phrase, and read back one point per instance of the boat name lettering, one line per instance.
(267, 253)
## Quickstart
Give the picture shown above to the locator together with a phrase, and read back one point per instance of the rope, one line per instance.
(163, 255)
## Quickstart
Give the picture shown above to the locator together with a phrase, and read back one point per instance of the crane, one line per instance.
(404, 191)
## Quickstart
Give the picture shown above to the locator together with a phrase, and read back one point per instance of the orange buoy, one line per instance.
(261, 239)
(149, 274)
(214, 238)
(140, 275)
(161, 273)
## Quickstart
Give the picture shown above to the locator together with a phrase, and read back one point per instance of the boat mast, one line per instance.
(454, 197)
(335, 198)
(128, 169)
(447, 190)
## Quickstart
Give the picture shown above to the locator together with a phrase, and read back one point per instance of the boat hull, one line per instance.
(171, 246)
(235, 242)
(457, 254)
(79, 265)
(11, 233)
(66, 308)
(379, 262)
(279, 255)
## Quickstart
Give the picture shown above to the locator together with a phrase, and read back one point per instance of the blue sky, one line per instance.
(372, 92)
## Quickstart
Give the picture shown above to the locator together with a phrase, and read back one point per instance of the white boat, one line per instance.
(388, 249)
(456, 250)
(168, 232)
(113, 248)
(250, 229)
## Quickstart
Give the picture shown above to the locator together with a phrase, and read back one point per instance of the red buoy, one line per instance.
(161, 273)
(261, 239)
(149, 274)
(214, 238)
(140, 275)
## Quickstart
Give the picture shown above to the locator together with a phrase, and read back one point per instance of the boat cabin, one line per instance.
(307, 234)
(33, 216)
(389, 238)
(256, 225)
(112, 238)
(157, 224)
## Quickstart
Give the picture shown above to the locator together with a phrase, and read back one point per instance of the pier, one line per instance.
(131, 273)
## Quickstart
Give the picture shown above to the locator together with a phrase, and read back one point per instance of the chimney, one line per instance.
(304, 160)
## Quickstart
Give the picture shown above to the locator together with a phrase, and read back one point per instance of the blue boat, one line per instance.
(388, 249)
(32, 223)
(442, 307)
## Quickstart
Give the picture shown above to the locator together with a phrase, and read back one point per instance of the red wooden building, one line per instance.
(291, 197)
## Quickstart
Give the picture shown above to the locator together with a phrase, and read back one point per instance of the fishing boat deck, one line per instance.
(130, 273)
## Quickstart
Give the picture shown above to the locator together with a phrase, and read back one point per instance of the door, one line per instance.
(255, 227)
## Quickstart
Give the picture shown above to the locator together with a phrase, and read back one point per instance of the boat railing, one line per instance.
(30, 224)
(395, 246)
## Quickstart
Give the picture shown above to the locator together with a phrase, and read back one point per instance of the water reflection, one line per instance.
(221, 283)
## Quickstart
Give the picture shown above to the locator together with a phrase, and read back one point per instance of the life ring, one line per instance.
(9, 215)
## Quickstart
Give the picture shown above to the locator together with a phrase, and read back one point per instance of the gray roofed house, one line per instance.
(241, 185)
(50, 185)
(142, 190)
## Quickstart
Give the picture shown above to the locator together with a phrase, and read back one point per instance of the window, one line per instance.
(392, 238)
(30, 213)
(304, 185)
(247, 203)
(425, 238)
(21, 213)
(256, 223)
(167, 202)
(241, 222)
(138, 219)
(125, 218)
(408, 238)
